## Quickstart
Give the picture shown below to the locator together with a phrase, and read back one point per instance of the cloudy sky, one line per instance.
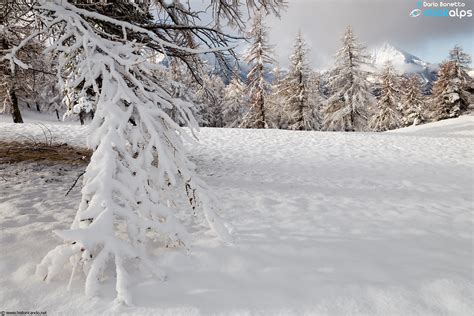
(322, 23)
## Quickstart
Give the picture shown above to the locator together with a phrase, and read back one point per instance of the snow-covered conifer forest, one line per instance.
(156, 158)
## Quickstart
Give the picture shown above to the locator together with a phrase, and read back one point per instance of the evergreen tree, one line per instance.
(259, 58)
(210, 95)
(316, 98)
(413, 104)
(461, 58)
(450, 96)
(349, 101)
(404, 82)
(299, 103)
(387, 116)
(276, 100)
(184, 86)
(178, 88)
(235, 102)
(139, 167)
(215, 101)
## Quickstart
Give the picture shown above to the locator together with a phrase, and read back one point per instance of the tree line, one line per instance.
(343, 99)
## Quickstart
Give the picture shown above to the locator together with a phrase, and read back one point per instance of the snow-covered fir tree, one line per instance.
(404, 84)
(350, 100)
(138, 170)
(259, 58)
(235, 103)
(210, 95)
(216, 101)
(316, 97)
(449, 96)
(276, 101)
(184, 86)
(413, 101)
(178, 88)
(387, 115)
(461, 58)
(299, 103)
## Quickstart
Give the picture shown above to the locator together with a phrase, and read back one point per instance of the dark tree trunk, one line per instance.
(261, 121)
(15, 110)
(301, 126)
(57, 114)
(82, 116)
(37, 106)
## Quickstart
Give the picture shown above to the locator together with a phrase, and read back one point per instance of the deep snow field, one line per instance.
(324, 224)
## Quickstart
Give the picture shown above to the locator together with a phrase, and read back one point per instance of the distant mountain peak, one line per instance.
(401, 60)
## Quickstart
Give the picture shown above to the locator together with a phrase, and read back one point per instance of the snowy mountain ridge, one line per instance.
(399, 58)
(403, 62)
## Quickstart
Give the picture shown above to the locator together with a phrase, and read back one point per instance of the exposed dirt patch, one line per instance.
(13, 152)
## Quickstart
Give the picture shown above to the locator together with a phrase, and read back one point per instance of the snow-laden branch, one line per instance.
(138, 168)
(62, 7)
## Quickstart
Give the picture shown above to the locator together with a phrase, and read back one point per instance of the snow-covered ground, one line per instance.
(325, 223)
